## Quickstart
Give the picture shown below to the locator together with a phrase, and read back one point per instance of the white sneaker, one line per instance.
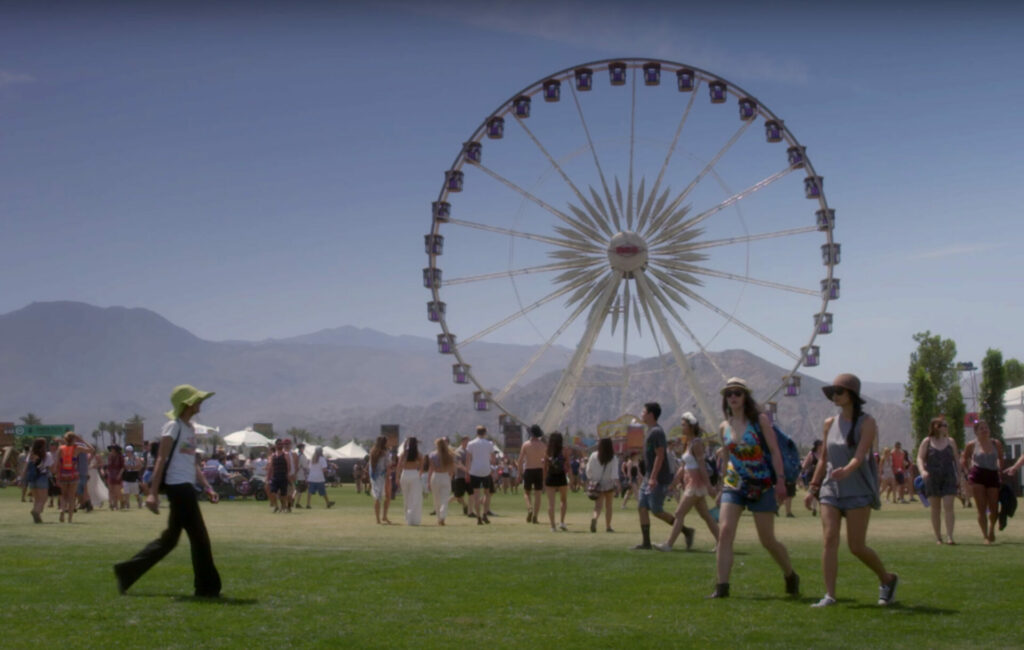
(562, 527)
(554, 530)
(826, 601)
(665, 548)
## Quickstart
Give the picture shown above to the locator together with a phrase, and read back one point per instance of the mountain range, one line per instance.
(73, 363)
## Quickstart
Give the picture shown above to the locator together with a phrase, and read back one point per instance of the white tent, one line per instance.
(203, 430)
(351, 450)
(330, 454)
(247, 437)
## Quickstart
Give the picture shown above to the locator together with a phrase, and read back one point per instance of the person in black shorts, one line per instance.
(460, 487)
(531, 467)
(277, 473)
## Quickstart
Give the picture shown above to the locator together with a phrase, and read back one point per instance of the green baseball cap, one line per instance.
(185, 395)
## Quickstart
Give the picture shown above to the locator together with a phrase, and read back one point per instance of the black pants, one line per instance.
(184, 514)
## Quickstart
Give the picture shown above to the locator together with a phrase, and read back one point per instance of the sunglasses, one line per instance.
(733, 393)
(943, 425)
(838, 390)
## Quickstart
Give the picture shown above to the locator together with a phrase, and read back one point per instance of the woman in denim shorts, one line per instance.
(847, 487)
(749, 483)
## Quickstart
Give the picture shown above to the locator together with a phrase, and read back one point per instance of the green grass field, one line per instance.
(333, 578)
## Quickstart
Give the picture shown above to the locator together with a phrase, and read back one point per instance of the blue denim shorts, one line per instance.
(842, 504)
(317, 488)
(766, 503)
(653, 500)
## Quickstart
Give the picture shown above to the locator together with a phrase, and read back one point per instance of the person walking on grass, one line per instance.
(693, 474)
(531, 468)
(67, 473)
(439, 477)
(846, 487)
(410, 463)
(177, 471)
(460, 484)
(479, 458)
(982, 460)
(317, 478)
(937, 460)
(654, 483)
(379, 460)
(603, 471)
(749, 483)
(35, 476)
(277, 478)
(556, 470)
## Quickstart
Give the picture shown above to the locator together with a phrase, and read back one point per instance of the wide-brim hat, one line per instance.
(846, 380)
(185, 395)
(735, 382)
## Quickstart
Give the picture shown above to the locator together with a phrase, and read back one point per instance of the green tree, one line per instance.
(923, 407)
(936, 356)
(31, 419)
(298, 435)
(1014, 371)
(955, 411)
(335, 441)
(993, 386)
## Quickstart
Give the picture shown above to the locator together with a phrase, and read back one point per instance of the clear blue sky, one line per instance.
(258, 170)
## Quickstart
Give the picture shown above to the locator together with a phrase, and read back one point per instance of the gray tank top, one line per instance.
(983, 460)
(940, 461)
(839, 454)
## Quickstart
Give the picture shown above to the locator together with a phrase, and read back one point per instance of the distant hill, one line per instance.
(73, 363)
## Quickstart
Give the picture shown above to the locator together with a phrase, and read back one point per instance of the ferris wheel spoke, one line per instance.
(542, 349)
(632, 144)
(677, 352)
(669, 233)
(668, 297)
(543, 268)
(516, 315)
(675, 249)
(561, 172)
(597, 161)
(561, 243)
(570, 221)
(749, 280)
(645, 214)
(657, 223)
(700, 300)
(561, 398)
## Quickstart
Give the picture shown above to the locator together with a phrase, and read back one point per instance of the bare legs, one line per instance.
(563, 492)
(684, 507)
(604, 501)
(765, 523)
(943, 503)
(856, 538)
(986, 501)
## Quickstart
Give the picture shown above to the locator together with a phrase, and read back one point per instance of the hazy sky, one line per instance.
(260, 170)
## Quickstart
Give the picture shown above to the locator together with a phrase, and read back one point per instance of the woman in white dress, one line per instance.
(98, 493)
(410, 463)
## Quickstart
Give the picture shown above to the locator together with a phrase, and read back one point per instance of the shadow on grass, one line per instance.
(184, 598)
(909, 609)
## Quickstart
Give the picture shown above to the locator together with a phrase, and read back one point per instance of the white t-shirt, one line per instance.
(316, 470)
(480, 449)
(259, 467)
(182, 465)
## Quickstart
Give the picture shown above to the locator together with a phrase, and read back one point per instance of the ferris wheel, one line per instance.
(622, 207)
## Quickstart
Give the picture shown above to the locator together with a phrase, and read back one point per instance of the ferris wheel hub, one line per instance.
(627, 252)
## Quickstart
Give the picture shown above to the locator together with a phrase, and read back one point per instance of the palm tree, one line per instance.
(96, 435)
(31, 419)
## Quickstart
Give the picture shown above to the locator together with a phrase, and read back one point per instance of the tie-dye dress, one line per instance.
(747, 468)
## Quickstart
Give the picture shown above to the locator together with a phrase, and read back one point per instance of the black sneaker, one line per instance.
(486, 520)
(643, 547)
(593, 525)
(793, 584)
(721, 591)
(887, 593)
(479, 521)
(122, 583)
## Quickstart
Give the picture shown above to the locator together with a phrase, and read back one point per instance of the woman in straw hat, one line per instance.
(847, 487)
(177, 471)
(749, 483)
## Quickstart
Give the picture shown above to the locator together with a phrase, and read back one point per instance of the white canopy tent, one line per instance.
(247, 437)
(350, 451)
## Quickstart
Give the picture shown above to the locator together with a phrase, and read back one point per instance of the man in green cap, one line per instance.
(177, 471)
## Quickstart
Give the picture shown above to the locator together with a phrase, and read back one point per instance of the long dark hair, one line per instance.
(750, 410)
(39, 450)
(379, 448)
(412, 451)
(554, 445)
(857, 412)
(605, 451)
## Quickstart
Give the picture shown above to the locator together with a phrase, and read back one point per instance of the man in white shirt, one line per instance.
(479, 458)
